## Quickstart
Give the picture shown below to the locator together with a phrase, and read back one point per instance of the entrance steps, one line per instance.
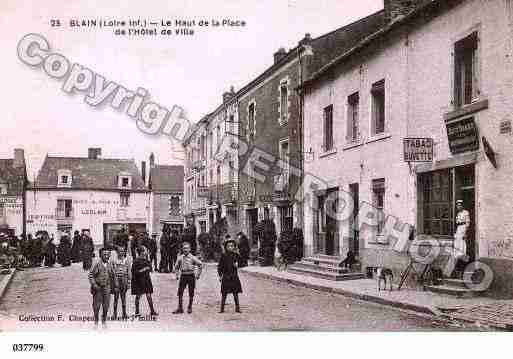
(325, 267)
(456, 288)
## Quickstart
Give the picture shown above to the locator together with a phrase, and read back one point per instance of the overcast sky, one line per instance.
(191, 72)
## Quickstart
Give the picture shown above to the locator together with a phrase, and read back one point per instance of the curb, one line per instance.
(4, 283)
(346, 293)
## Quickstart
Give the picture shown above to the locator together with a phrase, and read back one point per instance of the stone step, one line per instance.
(324, 274)
(454, 291)
(322, 267)
(457, 283)
(326, 260)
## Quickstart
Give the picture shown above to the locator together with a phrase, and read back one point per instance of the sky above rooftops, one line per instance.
(191, 72)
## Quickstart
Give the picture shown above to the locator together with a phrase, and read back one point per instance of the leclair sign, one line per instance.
(418, 149)
(462, 135)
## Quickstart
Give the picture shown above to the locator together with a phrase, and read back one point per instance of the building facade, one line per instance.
(77, 193)
(13, 182)
(166, 186)
(439, 70)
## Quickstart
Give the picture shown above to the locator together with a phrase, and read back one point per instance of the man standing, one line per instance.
(151, 245)
(462, 224)
(164, 252)
(75, 247)
(87, 250)
(243, 244)
(121, 239)
(103, 280)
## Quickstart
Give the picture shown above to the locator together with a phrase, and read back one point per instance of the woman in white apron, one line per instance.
(462, 224)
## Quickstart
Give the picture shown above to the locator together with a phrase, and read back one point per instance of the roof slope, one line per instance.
(14, 177)
(167, 178)
(89, 173)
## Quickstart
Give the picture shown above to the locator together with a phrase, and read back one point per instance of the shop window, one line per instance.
(437, 203)
(174, 205)
(3, 188)
(378, 107)
(378, 201)
(353, 103)
(328, 129)
(124, 199)
(466, 70)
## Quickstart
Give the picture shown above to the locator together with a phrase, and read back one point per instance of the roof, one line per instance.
(375, 36)
(325, 48)
(97, 174)
(14, 177)
(166, 179)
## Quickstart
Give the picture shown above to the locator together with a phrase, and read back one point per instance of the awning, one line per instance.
(456, 161)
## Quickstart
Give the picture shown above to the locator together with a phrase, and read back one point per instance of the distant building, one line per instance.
(13, 181)
(166, 186)
(77, 193)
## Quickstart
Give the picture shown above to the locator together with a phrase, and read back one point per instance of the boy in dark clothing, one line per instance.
(185, 274)
(87, 249)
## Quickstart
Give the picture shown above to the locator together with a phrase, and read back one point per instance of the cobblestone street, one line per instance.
(266, 305)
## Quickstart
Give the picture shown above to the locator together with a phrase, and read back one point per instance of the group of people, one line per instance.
(41, 250)
(121, 273)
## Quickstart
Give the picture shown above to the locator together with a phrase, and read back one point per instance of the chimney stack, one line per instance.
(19, 158)
(229, 94)
(306, 40)
(398, 8)
(94, 153)
(143, 171)
(280, 54)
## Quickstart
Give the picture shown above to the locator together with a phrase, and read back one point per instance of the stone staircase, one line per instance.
(325, 267)
(454, 287)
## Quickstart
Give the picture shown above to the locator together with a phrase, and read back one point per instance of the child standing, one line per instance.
(103, 282)
(123, 271)
(184, 269)
(141, 280)
(228, 275)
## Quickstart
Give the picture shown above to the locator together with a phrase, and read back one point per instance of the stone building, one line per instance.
(166, 186)
(440, 70)
(99, 194)
(13, 182)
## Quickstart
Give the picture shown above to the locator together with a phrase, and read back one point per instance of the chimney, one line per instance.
(229, 94)
(19, 158)
(280, 54)
(152, 160)
(143, 171)
(398, 8)
(94, 153)
(306, 40)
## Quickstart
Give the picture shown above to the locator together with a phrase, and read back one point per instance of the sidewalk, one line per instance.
(480, 310)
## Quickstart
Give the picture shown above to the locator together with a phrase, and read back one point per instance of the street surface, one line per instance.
(266, 305)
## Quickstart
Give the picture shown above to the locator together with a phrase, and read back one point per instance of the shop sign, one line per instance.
(462, 135)
(418, 149)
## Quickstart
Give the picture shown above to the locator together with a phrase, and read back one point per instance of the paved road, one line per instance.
(266, 305)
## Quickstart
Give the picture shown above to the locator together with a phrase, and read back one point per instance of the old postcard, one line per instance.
(260, 166)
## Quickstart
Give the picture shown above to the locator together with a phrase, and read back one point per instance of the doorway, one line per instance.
(252, 215)
(354, 244)
(465, 190)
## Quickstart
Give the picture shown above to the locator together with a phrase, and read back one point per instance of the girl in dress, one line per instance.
(228, 275)
(141, 280)
(123, 271)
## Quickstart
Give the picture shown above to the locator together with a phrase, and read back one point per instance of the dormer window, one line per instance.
(125, 181)
(64, 178)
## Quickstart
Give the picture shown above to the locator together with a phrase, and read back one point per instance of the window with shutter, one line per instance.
(353, 102)
(328, 128)
(466, 88)
(378, 107)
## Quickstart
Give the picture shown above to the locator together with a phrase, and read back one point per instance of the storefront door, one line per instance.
(465, 190)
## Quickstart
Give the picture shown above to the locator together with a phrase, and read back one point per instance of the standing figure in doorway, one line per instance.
(460, 237)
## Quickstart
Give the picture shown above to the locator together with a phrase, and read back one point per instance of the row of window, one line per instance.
(466, 91)
(353, 126)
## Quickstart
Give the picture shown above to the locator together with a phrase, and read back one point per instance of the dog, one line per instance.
(384, 275)
(349, 261)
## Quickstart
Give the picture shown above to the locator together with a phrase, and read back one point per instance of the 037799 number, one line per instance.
(28, 347)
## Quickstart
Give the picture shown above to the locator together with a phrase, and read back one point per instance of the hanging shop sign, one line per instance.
(462, 135)
(418, 149)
